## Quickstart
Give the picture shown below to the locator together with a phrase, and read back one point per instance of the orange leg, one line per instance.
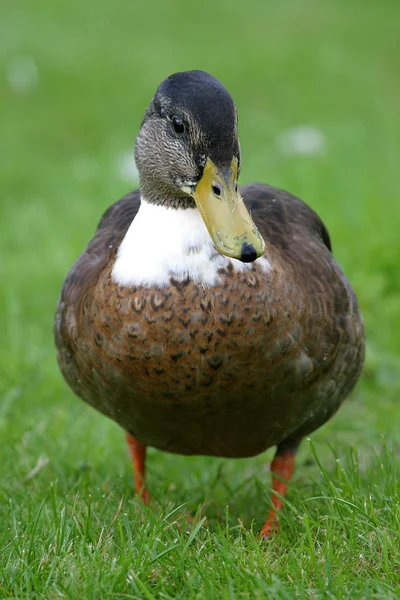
(137, 451)
(282, 468)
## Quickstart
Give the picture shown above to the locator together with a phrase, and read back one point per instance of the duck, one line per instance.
(206, 318)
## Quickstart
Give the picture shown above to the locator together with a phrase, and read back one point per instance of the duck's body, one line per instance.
(194, 352)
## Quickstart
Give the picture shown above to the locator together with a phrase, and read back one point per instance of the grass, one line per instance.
(76, 78)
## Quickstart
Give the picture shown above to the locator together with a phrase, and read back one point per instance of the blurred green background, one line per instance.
(317, 88)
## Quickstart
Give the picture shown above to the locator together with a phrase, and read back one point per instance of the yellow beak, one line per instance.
(225, 214)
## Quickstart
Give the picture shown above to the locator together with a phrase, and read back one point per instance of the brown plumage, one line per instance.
(260, 359)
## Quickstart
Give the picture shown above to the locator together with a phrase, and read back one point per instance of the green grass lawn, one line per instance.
(75, 80)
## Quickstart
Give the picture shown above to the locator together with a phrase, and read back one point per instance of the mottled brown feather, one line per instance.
(258, 360)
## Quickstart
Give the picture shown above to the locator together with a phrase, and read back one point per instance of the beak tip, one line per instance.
(248, 253)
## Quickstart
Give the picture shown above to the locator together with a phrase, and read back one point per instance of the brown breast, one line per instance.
(229, 370)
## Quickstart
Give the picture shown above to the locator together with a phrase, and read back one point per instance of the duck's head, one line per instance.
(188, 154)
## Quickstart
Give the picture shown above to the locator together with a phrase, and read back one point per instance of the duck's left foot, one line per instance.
(282, 468)
(137, 451)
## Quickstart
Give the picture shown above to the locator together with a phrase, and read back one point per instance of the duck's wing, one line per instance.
(109, 234)
(84, 275)
(282, 218)
(298, 244)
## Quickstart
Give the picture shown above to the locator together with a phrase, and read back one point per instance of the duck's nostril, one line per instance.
(248, 253)
(217, 190)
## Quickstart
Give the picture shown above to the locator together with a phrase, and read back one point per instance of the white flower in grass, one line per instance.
(127, 168)
(22, 74)
(304, 139)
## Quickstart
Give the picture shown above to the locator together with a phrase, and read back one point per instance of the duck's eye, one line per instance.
(178, 125)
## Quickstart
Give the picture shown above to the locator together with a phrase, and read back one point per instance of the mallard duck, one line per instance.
(202, 317)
